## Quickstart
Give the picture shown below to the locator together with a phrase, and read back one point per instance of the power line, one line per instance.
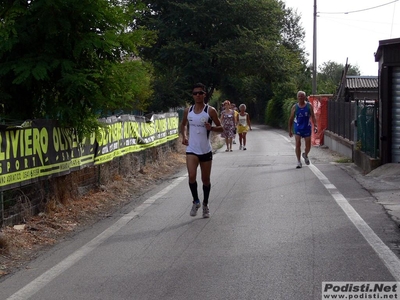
(391, 29)
(337, 19)
(356, 11)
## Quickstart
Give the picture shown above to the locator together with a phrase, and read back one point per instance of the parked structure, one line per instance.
(361, 88)
(352, 120)
(388, 56)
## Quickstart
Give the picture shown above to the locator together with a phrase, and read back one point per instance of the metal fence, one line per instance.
(356, 121)
(341, 117)
(367, 127)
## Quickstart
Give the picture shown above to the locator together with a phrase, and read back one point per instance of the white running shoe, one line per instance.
(195, 208)
(240, 147)
(206, 211)
(306, 160)
(299, 165)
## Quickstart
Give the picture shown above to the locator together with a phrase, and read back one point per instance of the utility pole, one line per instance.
(314, 74)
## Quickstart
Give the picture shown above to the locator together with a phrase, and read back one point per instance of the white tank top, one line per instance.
(199, 136)
(243, 120)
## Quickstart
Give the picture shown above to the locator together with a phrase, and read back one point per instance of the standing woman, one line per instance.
(228, 123)
(236, 112)
(243, 120)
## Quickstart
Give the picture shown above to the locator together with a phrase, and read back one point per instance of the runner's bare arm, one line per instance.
(184, 126)
(214, 116)
(314, 119)
(248, 121)
(291, 119)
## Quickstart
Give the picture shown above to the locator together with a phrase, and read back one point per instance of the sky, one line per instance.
(348, 29)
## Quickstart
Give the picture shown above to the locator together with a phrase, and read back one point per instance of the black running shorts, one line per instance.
(202, 157)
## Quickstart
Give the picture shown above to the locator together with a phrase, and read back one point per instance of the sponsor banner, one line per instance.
(172, 124)
(160, 124)
(82, 152)
(361, 290)
(147, 132)
(38, 149)
(41, 149)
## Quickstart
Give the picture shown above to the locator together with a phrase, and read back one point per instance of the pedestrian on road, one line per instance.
(236, 112)
(244, 125)
(301, 115)
(229, 125)
(200, 117)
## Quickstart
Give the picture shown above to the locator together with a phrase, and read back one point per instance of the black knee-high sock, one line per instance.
(206, 191)
(193, 189)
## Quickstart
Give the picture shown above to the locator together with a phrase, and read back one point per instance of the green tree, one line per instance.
(329, 76)
(220, 43)
(257, 90)
(128, 87)
(64, 59)
(297, 77)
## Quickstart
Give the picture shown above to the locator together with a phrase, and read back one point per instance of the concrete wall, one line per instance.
(348, 149)
(338, 144)
(366, 163)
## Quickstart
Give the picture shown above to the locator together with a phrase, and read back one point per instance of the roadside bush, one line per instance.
(287, 106)
(273, 113)
(278, 112)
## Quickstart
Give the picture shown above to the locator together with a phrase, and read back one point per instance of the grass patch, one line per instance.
(344, 160)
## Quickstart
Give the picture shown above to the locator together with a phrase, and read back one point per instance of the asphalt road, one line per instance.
(275, 232)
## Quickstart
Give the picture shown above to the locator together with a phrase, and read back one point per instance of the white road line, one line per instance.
(390, 259)
(41, 281)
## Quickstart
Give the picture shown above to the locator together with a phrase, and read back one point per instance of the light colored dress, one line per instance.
(228, 123)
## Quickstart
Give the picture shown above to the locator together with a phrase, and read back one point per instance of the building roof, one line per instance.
(384, 43)
(361, 82)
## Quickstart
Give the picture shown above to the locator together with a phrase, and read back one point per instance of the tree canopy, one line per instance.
(227, 45)
(329, 76)
(74, 60)
(62, 59)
